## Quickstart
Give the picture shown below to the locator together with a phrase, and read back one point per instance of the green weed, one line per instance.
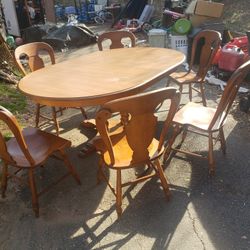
(12, 99)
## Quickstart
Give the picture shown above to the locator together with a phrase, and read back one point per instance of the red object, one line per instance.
(241, 42)
(216, 57)
(119, 25)
(230, 58)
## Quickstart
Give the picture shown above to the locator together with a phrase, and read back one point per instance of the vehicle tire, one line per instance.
(99, 20)
(109, 17)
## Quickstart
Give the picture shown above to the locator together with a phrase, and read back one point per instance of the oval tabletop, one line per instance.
(99, 77)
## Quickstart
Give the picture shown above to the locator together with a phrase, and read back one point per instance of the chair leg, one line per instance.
(222, 140)
(203, 94)
(211, 154)
(55, 120)
(163, 179)
(167, 82)
(99, 171)
(190, 92)
(70, 167)
(181, 88)
(118, 193)
(4, 180)
(35, 203)
(61, 111)
(184, 135)
(37, 114)
(83, 113)
(171, 141)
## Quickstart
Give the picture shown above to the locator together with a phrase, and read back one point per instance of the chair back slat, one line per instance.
(116, 39)
(210, 41)
(9, 119)
(229, 94)
(140, 125)
(31, 50)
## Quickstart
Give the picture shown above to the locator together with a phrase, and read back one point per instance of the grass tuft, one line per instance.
(12, 99)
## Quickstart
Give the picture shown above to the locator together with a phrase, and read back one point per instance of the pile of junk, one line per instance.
(180, 22)
(25, 22)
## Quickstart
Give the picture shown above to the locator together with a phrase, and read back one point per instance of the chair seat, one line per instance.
(185, 77)
(197, 116)
(122, 151)
(40, 144)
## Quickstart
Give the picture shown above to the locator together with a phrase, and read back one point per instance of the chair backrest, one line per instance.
(210, 41)
(229, 94)
(9, 119)
(140, 127)
(116, 39)
(31, 50)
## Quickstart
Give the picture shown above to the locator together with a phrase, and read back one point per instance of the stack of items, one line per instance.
(178, 38)
(179, 27)
(205, 15)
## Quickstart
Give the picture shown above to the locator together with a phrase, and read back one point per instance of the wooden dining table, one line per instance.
(99, 77)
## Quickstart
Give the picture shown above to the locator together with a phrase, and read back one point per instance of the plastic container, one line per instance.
(179, 43)
(157, 38)
(231, 58)
(11, 42)
(182, 26)
(241, 42)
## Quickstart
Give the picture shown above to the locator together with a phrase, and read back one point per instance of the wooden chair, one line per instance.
(29, 149)
(35, 62)
(136, 143)
(116, 39)
(210, 42)
(208, 121)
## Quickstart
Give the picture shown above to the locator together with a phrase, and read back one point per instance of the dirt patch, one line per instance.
(236, 15)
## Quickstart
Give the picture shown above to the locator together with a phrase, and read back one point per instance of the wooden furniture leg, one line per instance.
(211, 154)
(118, 193)
(70, 167)
(162, 178)
(83, 113)
(55, 120)
(35, 203)
(181, 88)
(204, 102)
(222, 140)
(171, 141)
(99, 171)
(37, 114)
(190, 91)
(4, 178)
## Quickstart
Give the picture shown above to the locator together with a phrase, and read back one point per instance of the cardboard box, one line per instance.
(205, 8)
(197, 20)
(210, 9)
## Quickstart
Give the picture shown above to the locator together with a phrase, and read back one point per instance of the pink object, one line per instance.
(174, 14)
(230, 58)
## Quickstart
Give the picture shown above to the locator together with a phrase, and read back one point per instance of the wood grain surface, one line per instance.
(99, 77)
